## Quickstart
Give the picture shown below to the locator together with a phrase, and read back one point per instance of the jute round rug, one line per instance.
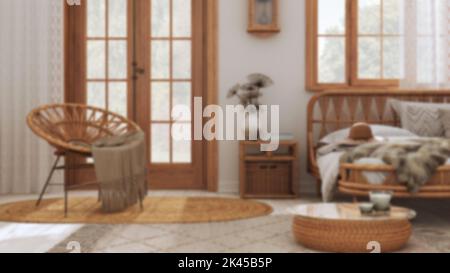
(157, 210)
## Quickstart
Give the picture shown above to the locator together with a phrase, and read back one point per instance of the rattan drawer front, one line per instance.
(270, 174)
(265, 178)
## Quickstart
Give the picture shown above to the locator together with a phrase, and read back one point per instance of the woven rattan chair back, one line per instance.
(75, 127)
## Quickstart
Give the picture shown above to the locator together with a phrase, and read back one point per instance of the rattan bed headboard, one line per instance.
(331, 111)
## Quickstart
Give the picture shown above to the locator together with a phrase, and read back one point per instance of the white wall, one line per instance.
(282, 57)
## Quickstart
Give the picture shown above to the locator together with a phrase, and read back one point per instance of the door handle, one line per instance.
(137, 70)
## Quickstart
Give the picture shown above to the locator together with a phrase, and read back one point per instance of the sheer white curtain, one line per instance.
(31, 74)
(427, 44)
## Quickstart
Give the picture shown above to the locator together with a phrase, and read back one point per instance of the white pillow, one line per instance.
(377, 130)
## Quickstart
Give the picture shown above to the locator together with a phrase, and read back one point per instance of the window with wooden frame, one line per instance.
(353, 44)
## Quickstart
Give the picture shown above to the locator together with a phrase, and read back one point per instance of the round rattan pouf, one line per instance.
(342, 228)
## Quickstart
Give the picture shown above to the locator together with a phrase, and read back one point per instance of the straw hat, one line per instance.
(359, 133)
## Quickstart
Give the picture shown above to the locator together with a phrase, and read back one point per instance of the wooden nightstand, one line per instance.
(268, 174)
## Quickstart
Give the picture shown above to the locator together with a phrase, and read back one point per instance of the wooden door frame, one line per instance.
(211, 156)
(73, 61)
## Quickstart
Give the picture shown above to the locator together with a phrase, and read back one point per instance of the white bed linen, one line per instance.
(329, 173)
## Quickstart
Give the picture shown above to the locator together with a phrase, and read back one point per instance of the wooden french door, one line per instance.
(141, 58)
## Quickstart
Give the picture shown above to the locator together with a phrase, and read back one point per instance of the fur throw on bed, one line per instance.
(416, 161)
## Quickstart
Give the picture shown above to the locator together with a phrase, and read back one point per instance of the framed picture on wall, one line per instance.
(263, 16)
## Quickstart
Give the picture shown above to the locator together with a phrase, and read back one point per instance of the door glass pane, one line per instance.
(181, 18)
(107, 58)
(182, 97)
(160, 60)
(181, 135)
(96, 60)
(117, 60)
(160, 97)
(369, 58)
(331, 16)
(160, 18)
(160, 143)
(182, 59)
(96, 14)
(331, 60)
(117, 18)
(369, 16)
(118, 98)
(171, 73)
(96, 94)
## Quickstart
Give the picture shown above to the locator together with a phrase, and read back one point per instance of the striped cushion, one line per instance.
(445, 118)
(422, 119)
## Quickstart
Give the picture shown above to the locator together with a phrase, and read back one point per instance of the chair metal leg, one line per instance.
(65, 198)
(49, 178)
(141, 200)
(99, 197)
(66, 187)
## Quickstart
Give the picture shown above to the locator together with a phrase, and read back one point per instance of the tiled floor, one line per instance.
(264, 234)
(36, 238)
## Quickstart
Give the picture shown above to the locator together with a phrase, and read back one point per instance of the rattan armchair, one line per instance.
(71, 129)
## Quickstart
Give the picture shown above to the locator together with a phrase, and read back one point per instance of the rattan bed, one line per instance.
(331, 111)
